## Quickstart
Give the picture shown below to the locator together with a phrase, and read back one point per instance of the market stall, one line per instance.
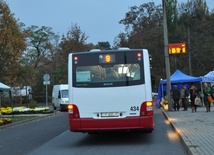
(177, 78)
(209, 77)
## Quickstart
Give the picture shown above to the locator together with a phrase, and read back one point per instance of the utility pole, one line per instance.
(190, 64)
(166, 56)
(188, 40)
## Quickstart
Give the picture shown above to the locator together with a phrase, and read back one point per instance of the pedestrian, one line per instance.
(212, 92)
(176, 97)
(193, 94)
(207, 94)
(184, 93)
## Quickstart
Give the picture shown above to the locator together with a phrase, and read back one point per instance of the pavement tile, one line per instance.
(195, 129)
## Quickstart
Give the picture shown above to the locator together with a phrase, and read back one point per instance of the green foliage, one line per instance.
(33, 104)
(144, 29)
(74, 41)
(38, 40)
(172, 19)
(60, 74)
(104, 45)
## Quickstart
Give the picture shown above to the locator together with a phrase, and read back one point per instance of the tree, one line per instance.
(172, 19)
(12, 44)
(104, 45)
(38, 59)
(196, 24)
(73, 41)
(144, 29)
(121, 41)
(37, 40)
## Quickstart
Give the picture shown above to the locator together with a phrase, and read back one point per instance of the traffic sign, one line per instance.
(177, 48)
(46, 82)
(46, 77)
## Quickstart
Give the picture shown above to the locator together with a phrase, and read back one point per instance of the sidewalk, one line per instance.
(195, 129)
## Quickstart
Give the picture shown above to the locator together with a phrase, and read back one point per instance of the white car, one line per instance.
(154, 94)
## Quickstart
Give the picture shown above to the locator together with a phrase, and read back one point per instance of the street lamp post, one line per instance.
(166, 56)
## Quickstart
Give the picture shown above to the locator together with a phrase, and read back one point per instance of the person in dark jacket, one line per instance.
(184, 97)
(193, 94)
(176, 97)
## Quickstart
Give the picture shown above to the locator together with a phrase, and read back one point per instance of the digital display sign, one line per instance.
(107, 58)
(177, 48)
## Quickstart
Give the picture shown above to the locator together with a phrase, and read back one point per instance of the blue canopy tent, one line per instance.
(177, 77)
(209, 77)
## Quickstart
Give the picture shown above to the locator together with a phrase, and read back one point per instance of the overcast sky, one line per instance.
(99, 19)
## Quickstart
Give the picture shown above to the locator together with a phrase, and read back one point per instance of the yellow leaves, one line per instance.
(12, 41)
(4, 121)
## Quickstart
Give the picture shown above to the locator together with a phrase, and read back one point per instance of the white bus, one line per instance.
(110, 90)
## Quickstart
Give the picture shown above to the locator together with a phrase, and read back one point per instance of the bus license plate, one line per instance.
(110, 114)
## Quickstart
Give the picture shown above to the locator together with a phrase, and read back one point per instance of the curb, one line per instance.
(186, 148)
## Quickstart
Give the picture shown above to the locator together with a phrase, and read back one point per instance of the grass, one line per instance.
(16, 119)
(22, 118)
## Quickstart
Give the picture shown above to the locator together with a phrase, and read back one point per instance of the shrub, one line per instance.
(33, 104)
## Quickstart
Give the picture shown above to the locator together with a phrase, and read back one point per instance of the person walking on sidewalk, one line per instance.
(193, 94)
(207, 93)
(184, 97)
(176, 97)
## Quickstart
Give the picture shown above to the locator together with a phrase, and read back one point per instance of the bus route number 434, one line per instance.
(134, 108)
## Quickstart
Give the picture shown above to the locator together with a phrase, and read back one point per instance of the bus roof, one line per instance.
(111, 51)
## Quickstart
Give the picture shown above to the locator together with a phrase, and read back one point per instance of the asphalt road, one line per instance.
(51, 136)
(23, 138)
